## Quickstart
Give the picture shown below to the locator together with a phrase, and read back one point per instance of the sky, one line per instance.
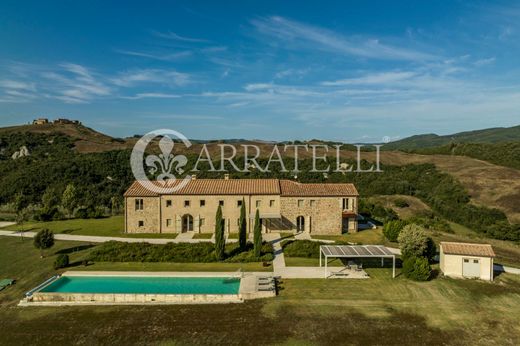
(351, 71)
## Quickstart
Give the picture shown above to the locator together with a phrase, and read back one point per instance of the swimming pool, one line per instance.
(143, 285)
(115, 288)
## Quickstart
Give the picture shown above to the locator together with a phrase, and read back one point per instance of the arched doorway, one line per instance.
(187, 223)
(300, 224)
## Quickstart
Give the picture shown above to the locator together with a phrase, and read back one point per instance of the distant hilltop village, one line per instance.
(61, 121)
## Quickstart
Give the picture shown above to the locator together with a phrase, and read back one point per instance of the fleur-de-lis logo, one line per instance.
(166, 161)
(164, 166)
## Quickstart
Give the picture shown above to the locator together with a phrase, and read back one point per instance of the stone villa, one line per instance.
(283, 205)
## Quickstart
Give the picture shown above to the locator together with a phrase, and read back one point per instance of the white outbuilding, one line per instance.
(467, 260)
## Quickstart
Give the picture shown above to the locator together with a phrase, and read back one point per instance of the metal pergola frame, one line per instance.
(356, 251)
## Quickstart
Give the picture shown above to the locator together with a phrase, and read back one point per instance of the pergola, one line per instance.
(356, 251)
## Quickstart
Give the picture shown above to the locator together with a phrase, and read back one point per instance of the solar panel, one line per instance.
(356, 251)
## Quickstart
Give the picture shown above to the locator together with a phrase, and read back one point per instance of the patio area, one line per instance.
(353, 252)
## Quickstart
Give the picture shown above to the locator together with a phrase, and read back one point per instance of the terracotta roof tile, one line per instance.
(214, 187)
(467, 249)
(293, 188)
(245, 187)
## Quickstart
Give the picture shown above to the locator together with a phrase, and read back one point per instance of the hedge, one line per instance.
(114, 251)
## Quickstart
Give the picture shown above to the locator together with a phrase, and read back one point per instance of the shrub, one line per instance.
(62, 261)
(90, 213)
(44, 239)
(48, 214)
(414, 242)
(401, 203)
(377, 211)
(430, 221)
(391, 229)
(113, 251)
(301, 248)
(417, 268)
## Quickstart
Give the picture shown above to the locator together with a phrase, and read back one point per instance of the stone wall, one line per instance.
(321, 215)
(169, 213)
(150, 215)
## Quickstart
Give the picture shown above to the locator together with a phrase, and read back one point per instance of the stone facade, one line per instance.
(177, 213)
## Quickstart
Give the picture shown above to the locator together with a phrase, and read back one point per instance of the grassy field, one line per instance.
(380, 310)
(202, 235)
(416, 206)
(21, 261)
(105, 227)
(508, 253)
(175, 267)
(367, 236)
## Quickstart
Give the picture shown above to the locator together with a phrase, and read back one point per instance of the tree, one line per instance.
(257, 235)
(220, 241)
(43, 240)
(417, 268)
(391, 229)
(414, 242)
(69, 199)
(50, 198)
(62, 261)
(242, 227)
(115, 205)
(20, 204)
(21, 217)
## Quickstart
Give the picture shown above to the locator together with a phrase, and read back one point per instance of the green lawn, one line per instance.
(379, 310)
(508, 253)
(202, 235)
(106, 227)
(367, 236)
(175, 267)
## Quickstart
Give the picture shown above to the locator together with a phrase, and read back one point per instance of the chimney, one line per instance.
(226, 176)
(194, 177)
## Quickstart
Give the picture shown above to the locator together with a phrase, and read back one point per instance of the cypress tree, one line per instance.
(242, 227)
(257, 235)
(220, 241)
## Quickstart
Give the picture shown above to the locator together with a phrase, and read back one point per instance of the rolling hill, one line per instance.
(488, 184)
(85, 139)
(491, 135)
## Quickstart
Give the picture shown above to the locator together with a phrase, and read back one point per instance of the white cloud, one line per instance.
(374, 78)
(142, 76)
(152, 95)
(295, 32)
(157, 56)
(74, 84)
(290, 73)
(482, 62)
(173, 36)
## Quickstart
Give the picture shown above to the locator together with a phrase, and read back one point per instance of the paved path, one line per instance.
(184, 236)
(279, 267)
(279, 259)
(281, 270)
(99, 239)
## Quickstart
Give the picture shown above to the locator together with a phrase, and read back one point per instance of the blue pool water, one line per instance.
(143, 285)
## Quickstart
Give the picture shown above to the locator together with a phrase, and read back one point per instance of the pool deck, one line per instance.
(249, 289)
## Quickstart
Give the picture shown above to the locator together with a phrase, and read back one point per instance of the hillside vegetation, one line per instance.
(83, 139)
(101, 179)
(492, 135)
(503, 154)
